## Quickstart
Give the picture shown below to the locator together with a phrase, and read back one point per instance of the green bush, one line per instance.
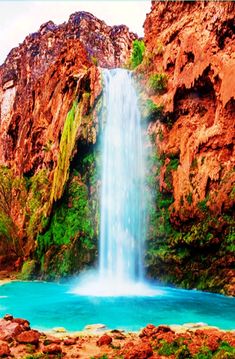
(151, 110)
(69, 221)
(137, 53)
(202, 205)
(27, 270)
(157, 82)
(168, 349)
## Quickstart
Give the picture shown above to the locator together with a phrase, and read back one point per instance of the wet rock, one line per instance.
(4, 350)
(28, 337)
(104, 340)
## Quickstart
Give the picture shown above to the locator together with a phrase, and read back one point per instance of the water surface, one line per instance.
(48, 305)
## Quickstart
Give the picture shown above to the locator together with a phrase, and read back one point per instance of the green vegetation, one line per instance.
(171, 166)
(71, 225)
(67, 143)
(137, 53)
(177, 252)
(27, 270)
(68, 241)
(190, 198)
(202, 205)
(168, 349)
(12, 191)
(94, 60)
(159, 49)
(151, 111)
(229, 240)
(38, 202)
(157, 82)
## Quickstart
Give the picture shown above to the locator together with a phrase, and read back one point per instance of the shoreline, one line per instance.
(18, 340)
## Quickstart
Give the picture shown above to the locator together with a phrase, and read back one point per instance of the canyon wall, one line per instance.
(50, 89)
(192, 45)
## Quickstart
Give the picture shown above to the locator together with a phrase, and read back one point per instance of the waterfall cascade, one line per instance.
(123, 194)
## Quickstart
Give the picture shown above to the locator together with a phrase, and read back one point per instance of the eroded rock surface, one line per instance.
(53, 71)
(193, 45)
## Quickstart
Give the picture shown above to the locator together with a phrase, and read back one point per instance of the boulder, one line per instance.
(136, 351)
(9, 330)
(69, 341)
(104, 340)
(28, 337)
(52, 349)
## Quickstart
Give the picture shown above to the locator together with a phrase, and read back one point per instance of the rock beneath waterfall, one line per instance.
(104, 340)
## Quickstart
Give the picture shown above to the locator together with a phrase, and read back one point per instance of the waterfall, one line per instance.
(122, 196)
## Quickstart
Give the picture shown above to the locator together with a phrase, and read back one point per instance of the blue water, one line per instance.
(48, 305)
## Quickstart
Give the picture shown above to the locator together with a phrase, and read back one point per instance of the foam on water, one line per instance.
(92, 284)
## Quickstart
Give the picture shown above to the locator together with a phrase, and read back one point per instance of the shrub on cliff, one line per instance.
(157, 82)
(137, 53)
(150, 110)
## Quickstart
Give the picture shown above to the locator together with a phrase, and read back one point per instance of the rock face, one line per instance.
(193, 45)
(53, 71)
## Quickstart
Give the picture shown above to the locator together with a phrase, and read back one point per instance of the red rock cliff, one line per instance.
(193, 45)
(39, 81)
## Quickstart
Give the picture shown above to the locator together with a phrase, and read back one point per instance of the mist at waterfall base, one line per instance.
(123, 194)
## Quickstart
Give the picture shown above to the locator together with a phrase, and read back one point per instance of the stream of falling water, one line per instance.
(122, 196)
(123, 193)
